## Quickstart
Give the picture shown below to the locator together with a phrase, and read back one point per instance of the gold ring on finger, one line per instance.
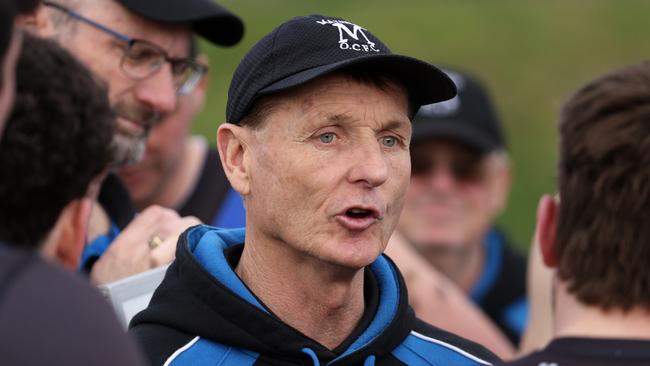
(154, 242)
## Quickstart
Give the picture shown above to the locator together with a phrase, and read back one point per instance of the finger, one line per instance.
(153, 215)
(177, 226)
(165, 253)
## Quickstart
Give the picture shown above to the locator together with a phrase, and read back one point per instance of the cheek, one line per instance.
(416, 189)
(474, 197)
(166, 142)
(477, 208)
(399, 183)
(106, 65)
(401, 179)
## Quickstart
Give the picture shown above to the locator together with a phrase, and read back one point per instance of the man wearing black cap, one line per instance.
(140, 48)
(317, 144)
(460, 178)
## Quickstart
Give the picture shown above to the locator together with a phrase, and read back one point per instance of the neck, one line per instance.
(322, 301)
(575, 319)
(181, 182)
(99, 223)
(462, 265)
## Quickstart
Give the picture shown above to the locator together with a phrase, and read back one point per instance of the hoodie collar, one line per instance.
(207, 246)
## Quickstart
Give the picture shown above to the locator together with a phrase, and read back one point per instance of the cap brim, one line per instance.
(451, 129)
(208, 19)
(426, 84)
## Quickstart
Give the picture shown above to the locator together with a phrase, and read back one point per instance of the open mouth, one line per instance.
(358, 213)
(129, 127)
(358, 218)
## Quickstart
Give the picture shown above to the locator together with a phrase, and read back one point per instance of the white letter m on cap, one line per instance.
(354, 33)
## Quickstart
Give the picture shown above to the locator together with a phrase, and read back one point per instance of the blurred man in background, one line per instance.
(140, 49)
(460, 177)
(595, 236)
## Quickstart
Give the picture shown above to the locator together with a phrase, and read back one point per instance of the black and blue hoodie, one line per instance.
(203, 314)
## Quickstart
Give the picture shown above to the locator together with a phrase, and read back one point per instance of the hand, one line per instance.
(131, 253)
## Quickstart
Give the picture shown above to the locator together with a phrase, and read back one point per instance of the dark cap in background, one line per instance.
(305, 48)
(469, 118)
(208, 19)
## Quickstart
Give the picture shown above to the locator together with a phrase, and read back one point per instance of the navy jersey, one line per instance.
(501, 288)
(589, 352)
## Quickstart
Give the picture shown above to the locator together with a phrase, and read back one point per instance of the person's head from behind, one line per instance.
(140, 48)
(597, 235)
(167, 145)
(318, 138)
(56, 150)
(460, 174)
(9, 49)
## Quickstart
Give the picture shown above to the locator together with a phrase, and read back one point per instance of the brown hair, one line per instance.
(603, 236)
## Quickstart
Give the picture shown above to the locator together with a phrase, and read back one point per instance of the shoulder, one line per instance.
(431, 343)
(170, 347)
(49, 313)
(160, 343)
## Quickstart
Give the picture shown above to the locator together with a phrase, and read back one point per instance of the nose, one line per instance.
(441, 178)
(369, 165)
(158, 92)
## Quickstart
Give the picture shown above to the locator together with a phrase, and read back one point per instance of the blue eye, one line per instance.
(327, 137)
(389, 141)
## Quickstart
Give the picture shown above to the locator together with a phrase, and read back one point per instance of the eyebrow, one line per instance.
(392, 124)
(339, 117)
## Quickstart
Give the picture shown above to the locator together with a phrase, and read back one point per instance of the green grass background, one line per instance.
(531, 53)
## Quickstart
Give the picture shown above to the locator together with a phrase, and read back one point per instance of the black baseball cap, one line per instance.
(208, 19)
(307, 47)
(469, 118)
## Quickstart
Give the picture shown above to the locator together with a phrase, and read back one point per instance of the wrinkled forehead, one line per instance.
(327, 94)
(331, 97)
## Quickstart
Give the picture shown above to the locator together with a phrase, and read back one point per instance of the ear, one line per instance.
(232, 143)
(38, 22)
(547, 212)
(72, 233)
(500, 187)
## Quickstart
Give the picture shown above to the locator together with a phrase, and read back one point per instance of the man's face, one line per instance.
(329, 169)
(8, 87)
(454, 195)
(164, 151)
(138, 103)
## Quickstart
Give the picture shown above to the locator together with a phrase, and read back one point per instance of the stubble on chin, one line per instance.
(128, 150)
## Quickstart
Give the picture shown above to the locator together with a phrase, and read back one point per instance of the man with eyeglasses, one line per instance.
(140, 48)
(181, 171)
(460, 177)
